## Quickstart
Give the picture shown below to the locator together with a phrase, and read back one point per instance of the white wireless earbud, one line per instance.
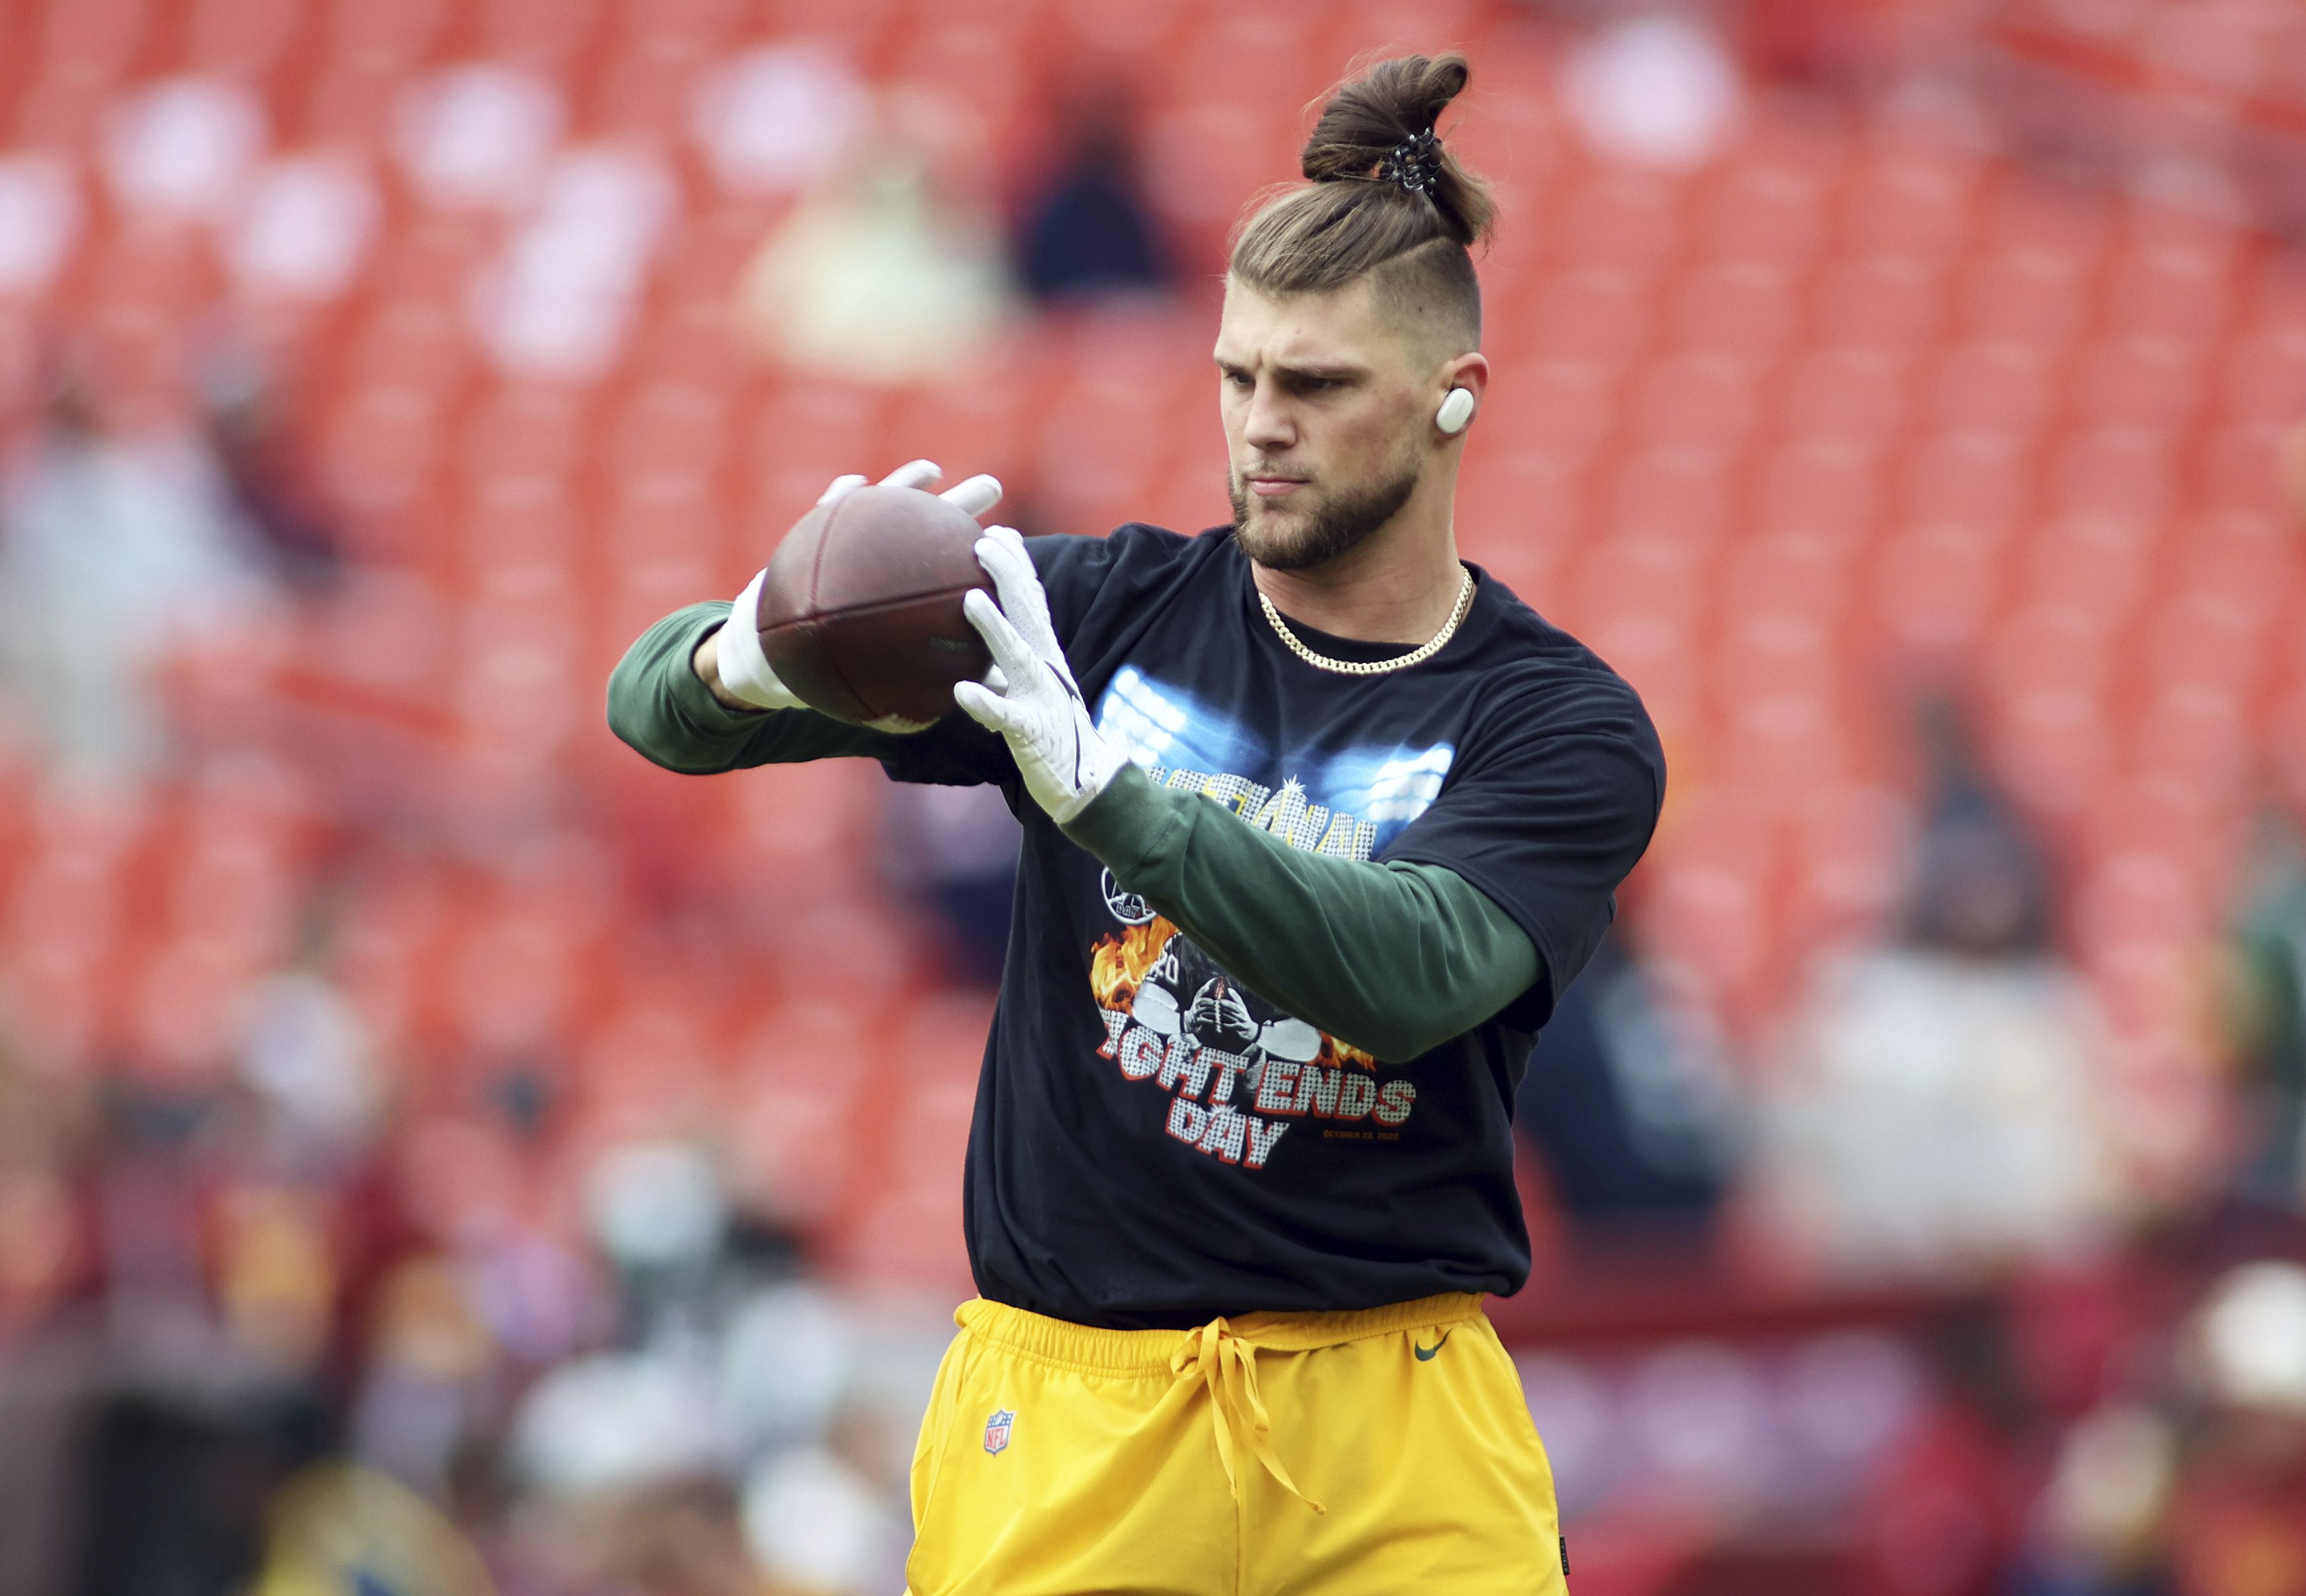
(1455, 411)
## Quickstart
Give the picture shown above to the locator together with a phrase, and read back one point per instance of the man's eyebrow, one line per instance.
(1301, 371)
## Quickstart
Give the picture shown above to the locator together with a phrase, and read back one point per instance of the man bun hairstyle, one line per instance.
(1384, 196)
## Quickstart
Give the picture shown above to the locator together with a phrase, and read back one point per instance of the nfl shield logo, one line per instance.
(997, 1430)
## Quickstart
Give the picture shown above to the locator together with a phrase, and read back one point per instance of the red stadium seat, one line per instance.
(1650, 575)
(1246, 54)
(2053, 642)
(2174, 281)
(243, 38)
(1855, 396)
(967, 427)
(181, 1022)
(805, 1074)
(1520, 143)
(2142, 381)
(663, 534)
(1910, 198)
(2069, 221)
(2235, 463)
(908, 1238)
(381, 459)
(346, 103)
(2219, 628)
(1890, 302)
(1765, 212)
(669, 427)
(1616, 220)
(2001, 388)
(2093, 566)
(1425, 25)
(389, 953)
(654, 1066)
(1201, 154)
(1797, 576)
(2146, 885)
(518, 542)
(799, 438)
(2193, 738)
(2284, 741)
(1705, 898)
(860, 27)
(547, 35)
(73, 910)
(402, 34)
(2115, 471)
(240, 900)
(797, 840)
(1781, 740)
(2051, 679)
(2264, 377)
(1705, 402)
(1098, 459)
(1742, 309)
(979, 74)
(523, 431)
(511, 979)
(2031, 299)
(700, 265)
(416, 345)
(1974, 478)
(646, 89)
(1516, 515)
(1565, 408)
(1931, 585)
(1685, 495)
(523, 695)
(1833, 489)
(1851, 874)
(2053, 748)
(1601, 314)
(909, 1228)
(91, 41)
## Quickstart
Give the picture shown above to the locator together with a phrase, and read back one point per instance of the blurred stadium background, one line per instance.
(439, 1152)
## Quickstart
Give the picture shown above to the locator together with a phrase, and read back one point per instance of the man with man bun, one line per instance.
(1318, 823)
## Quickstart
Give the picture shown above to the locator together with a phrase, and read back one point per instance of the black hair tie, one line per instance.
(1415, 163)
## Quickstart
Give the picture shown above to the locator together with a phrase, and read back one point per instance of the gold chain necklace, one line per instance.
(1415, 656)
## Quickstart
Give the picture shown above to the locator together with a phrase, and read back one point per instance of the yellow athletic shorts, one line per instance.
(1319, 1454)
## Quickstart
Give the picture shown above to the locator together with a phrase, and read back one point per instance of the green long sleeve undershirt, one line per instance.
(658, 707)
(1392, 957)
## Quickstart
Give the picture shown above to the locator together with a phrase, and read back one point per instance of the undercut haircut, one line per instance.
(1383, 197)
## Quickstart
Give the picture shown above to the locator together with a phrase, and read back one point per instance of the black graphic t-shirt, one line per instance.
(1154, 1144)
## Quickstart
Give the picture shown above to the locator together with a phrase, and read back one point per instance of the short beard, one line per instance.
(1336, 530)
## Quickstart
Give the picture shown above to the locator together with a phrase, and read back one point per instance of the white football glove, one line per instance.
(1030, 697)
(744, 670)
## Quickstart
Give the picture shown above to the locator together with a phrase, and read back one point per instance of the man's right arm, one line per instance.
(659, 702)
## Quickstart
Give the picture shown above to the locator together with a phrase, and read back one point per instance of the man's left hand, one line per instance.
(1031, 700)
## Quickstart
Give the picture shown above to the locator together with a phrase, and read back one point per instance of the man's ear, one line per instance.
(1469, 371)
(1469, 374)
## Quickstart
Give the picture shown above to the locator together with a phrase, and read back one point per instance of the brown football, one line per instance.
(860, 611)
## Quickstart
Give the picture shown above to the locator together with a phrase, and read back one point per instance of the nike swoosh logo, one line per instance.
(1426, 1354)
